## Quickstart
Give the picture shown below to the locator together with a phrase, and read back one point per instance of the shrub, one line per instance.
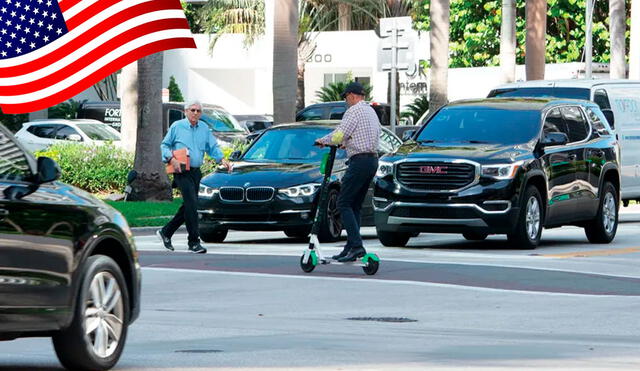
(209, 165)
(92, 168)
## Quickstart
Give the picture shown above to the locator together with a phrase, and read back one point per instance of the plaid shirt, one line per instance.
(359, 131)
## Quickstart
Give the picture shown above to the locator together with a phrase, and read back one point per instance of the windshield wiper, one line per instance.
(425, 141)
(475, 141)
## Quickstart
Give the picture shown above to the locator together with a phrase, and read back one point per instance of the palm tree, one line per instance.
(508, 41)
(536, 20)
(333, 91)
(634, 47)
(285, 60)
(617, 15)
(439, 40)
(416, 109)
(129, 106)
(151, 182)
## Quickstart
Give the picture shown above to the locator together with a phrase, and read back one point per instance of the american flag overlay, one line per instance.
(51, 50)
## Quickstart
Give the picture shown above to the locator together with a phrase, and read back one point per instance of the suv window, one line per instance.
(596, 122)
(571, 93)
(337, 113)
(175, 115)
(43, 131)
(13, 162)
(65, 131)
(576, 122)
(554, 123)
(311, 114)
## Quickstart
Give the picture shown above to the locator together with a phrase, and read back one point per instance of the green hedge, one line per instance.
(95, 169)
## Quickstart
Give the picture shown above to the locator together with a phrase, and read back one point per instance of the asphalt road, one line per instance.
(442, 303)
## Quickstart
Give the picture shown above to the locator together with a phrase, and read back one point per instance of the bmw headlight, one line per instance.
(207, 192)
(301, 190)
(501, 171)
(384, 169)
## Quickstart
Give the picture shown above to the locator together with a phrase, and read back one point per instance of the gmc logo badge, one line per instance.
(433, 169)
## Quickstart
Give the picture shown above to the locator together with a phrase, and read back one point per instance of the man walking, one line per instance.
(358, 133)
(194, 135)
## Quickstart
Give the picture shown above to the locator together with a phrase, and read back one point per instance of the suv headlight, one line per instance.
(501, 171)
(384, 169)
(207, 192)
(301, 190)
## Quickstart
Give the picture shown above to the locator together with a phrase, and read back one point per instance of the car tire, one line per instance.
(528, 229)
(213, 235)
(393, 239)
(79, 349)
(474, 236)
(603, 228)
(331, 225)
(298, 232)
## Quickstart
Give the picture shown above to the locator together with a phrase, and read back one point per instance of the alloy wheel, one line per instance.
(609, 213)
(333, 215)
(533, 218)
(104, 314)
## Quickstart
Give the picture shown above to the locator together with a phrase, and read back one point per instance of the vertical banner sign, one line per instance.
(51, 50)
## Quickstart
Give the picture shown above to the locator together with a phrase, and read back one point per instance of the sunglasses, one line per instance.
(195, 110)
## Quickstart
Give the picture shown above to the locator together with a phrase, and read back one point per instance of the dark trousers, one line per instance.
(188, 182)
(355, 183)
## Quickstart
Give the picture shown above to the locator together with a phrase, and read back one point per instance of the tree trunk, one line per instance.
(617, 14)
(344, 17)
(508, 41)
(634, 50)
(536, 19)
(152, 182)
(439, 40)
(285, 60)
(129, 106)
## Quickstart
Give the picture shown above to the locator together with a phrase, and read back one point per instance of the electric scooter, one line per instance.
(312, 256)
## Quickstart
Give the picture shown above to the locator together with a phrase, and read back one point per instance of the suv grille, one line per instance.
(435, 175)
(260, 194)
(232, 194)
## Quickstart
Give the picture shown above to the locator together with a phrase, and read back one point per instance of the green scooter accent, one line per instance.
(314, 258)
(374, 257)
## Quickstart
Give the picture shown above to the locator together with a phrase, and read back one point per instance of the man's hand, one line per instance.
(318, 143)
(228, 165)
(176, 165)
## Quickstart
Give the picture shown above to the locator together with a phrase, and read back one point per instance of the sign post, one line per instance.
(395, 52)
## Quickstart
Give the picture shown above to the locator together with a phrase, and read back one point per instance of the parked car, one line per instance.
(39, 135)
(502, 166)
(222, 124)
(255, 123)
(619, 100)
(68, 265)
(335, 111)
(274, 185)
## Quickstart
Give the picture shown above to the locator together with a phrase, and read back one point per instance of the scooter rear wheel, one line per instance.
(309, 266)
(371, 267)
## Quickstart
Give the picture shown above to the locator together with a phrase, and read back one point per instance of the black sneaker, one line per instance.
(197, 249)
(166, 241)
(353, 254)
(344, 253)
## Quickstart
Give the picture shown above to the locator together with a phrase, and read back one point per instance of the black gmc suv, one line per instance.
(502, 166)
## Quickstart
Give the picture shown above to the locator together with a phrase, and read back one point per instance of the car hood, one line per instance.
(480, 152)
(245, 174)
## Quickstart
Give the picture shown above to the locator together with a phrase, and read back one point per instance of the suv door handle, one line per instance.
(598, 153)
(3, 213)
(573, 156)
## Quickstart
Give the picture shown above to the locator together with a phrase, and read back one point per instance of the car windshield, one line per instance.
(220, 121)
(289, 145)
(99, 131)
(481, 125)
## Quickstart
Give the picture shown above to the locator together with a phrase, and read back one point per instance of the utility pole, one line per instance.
(536, 23)
(618, 65)
(634, 50)
(588, 48)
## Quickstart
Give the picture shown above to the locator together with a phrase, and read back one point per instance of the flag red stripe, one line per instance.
(84, 84)
(93, 56)
(83, 39)
(101, 5)
(67, 4)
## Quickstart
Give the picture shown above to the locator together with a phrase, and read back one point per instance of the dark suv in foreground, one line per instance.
(502, 166)
(68, 264)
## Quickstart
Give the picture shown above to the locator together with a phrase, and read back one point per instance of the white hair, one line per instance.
(192, 103)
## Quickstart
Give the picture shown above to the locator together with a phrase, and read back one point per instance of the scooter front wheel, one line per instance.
(371, 265)
(310, 265)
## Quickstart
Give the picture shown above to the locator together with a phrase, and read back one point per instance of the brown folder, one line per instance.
(182, 155)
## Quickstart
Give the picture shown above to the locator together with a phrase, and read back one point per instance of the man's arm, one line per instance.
(342, 132)
(166, 145)
(213, 150)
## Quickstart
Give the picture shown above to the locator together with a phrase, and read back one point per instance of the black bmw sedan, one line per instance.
(274, 185)
(68, 264)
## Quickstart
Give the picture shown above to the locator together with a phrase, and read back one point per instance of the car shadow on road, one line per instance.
(29, 368)
(491, 244)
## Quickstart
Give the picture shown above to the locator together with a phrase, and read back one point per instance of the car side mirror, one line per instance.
(554, 139)
(608, 114)
(74, 137)
(48, 170)
(407, 135)
(235, 156)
